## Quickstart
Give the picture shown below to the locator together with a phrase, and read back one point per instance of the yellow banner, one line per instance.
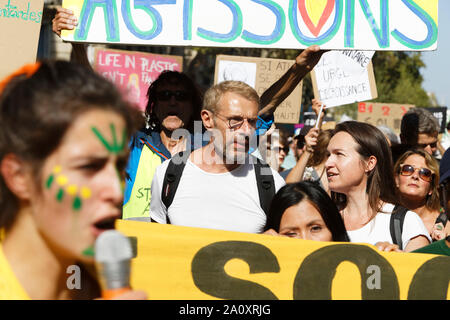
(183, 263)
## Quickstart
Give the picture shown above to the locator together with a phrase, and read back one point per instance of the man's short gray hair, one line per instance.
(214, 94)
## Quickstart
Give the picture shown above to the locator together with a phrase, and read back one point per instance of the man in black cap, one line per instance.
(442, 246)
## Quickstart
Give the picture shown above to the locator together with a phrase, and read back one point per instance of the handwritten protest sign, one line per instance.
(441, 115)
(310, 119)
(385, 114)
(20, 24)
(184, 263)
(332, 24)
(133, 72)
(343, 77)
(261, 73)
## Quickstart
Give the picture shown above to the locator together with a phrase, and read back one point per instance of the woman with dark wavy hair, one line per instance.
(359, 171)
(173, 106)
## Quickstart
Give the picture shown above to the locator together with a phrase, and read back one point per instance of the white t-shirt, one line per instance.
(225, 201)
(378, 228)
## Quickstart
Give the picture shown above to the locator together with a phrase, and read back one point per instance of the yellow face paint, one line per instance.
(61, 180)
(71, 189)
(85, 193)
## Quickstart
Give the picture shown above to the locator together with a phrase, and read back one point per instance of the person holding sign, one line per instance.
(417, 177)
(311, 164)
(173, 107)
(63, 134)
(359, 171)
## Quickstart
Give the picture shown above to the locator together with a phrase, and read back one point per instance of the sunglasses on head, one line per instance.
(166, 95)
(424, 173)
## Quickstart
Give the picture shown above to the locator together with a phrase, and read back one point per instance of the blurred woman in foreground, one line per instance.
(63, 134)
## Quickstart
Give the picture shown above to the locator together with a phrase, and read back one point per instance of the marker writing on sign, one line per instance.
(11, 11)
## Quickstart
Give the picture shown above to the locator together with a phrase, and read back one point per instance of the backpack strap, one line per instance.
(172, 177)
(265, 183)
(442, 218)
(396, 225)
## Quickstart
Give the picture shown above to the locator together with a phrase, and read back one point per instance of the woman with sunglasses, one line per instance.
(63, 134)
(416, 179)
(359, 170)
(277, 145)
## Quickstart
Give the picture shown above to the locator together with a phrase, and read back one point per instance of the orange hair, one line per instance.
(28, 70)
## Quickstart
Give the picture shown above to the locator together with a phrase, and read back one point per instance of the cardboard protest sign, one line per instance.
(441, 115)
(185, 263)
(310, 119)
(332, 24)
(344, 77)
(20, 24)
(385, 114)
(261, 73)
(133, 72)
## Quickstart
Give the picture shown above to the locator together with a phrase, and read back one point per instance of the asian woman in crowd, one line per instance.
(304, 210)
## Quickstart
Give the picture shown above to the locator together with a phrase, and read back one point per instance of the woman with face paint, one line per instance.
(359, 171)
(63, 134)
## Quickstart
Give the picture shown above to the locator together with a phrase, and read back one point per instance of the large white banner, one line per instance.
(332, 24)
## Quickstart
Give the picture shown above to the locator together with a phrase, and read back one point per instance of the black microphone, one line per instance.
(113, 254)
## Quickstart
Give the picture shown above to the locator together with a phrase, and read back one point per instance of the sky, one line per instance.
(437, 71)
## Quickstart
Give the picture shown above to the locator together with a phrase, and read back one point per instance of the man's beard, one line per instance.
(231, 156)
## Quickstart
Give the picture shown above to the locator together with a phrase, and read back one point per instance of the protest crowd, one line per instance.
(75, 156)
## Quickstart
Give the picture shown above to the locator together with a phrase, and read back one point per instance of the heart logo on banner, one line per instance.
(317, 10)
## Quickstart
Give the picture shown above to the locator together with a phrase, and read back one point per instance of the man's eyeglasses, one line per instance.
(424, 173)
(166, 95)
(235, 123)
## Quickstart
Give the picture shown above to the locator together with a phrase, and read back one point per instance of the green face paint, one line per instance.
(76, 204)
(89, 252)
(49, 182)
(113, 147)
(60, 195)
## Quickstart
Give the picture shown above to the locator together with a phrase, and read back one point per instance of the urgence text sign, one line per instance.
(332, 24)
